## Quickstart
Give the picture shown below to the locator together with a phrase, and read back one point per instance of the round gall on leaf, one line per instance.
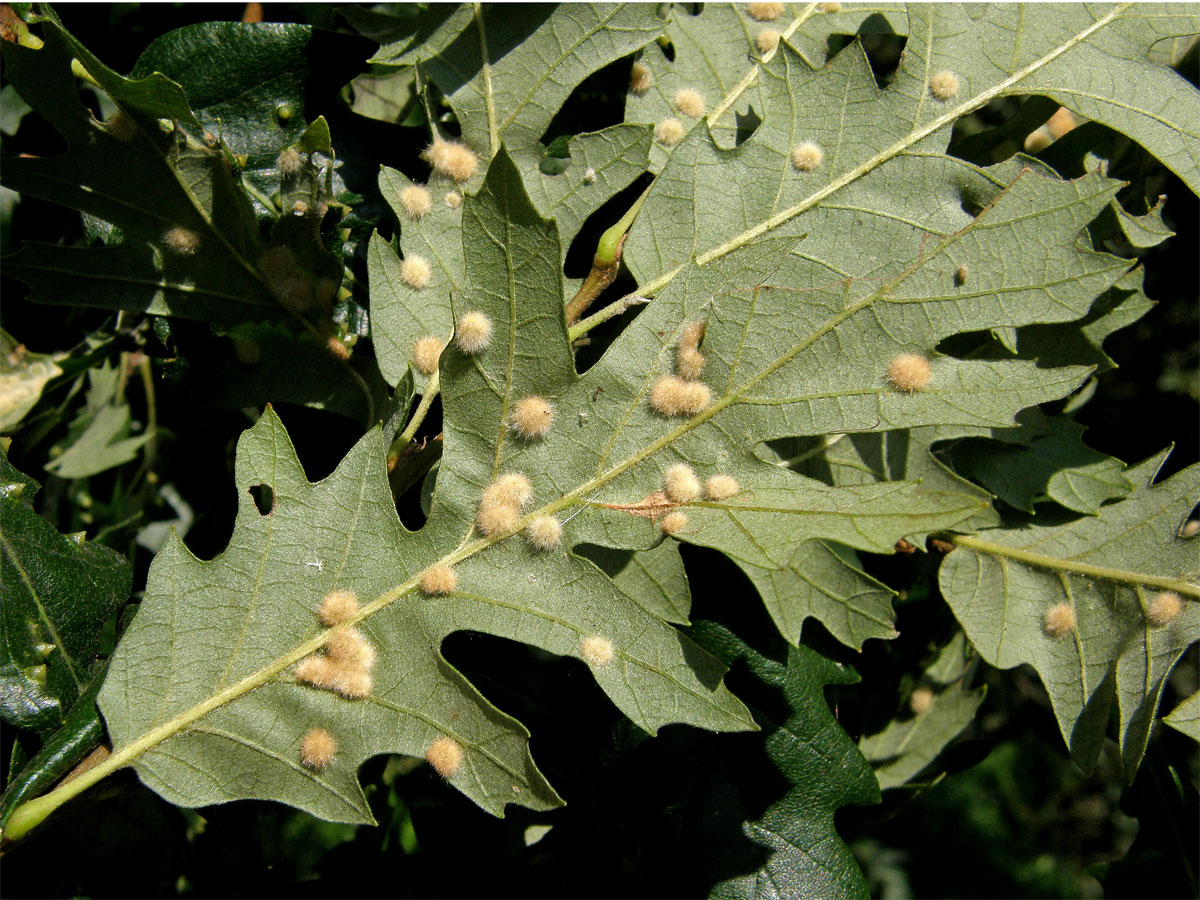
(531, 417)
(721, 487)
(337, 348)
(909, 372)
(680, 483)
(1059, 620)
(689, 363)
(510, 489)
(453, 200)
(696, 397)
(349, 648)
(416, 201)
(673, 522)
(597, 650)
(764, 12)
(693, 333)
(338, 606)
(415, 272)
(943, 85)
(830, 7)
(474, 332)
(544, 533)
(689, 102)
(439, 580)
(426, 352)
(452, 158)
(446, 756)
(921, 700)
(673, 396)
(289, 162)
(181, 240)
(640, 78)
(668, 132)
(807, 156)
(319, 671)
(497, 518)
(1164, 608)
(318, 749)
(1038, 140)
(352, 682)
(960, 275)
(766, 40)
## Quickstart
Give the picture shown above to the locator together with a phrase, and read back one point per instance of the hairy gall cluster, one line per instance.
(452, 158)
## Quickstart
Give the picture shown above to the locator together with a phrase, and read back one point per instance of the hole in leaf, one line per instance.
(882, 46)
(998, 130)
(974, 345)
(1190, 529)
(264, 498)
(747, 124)
(597, 102)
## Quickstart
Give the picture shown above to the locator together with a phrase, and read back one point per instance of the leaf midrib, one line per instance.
(1072, 566)
(156, 735)
(914, 137)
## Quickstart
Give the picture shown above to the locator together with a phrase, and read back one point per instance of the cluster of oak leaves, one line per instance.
(345, 662)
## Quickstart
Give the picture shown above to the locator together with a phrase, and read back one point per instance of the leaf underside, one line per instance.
(810, 283)
(1115, 651)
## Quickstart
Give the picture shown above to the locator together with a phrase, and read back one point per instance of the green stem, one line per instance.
(151, 409)
(605, 265)
(579, 329)
(258, 195)
(488, 96)
(433, 387)
(1073, 567)
(608, 250)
